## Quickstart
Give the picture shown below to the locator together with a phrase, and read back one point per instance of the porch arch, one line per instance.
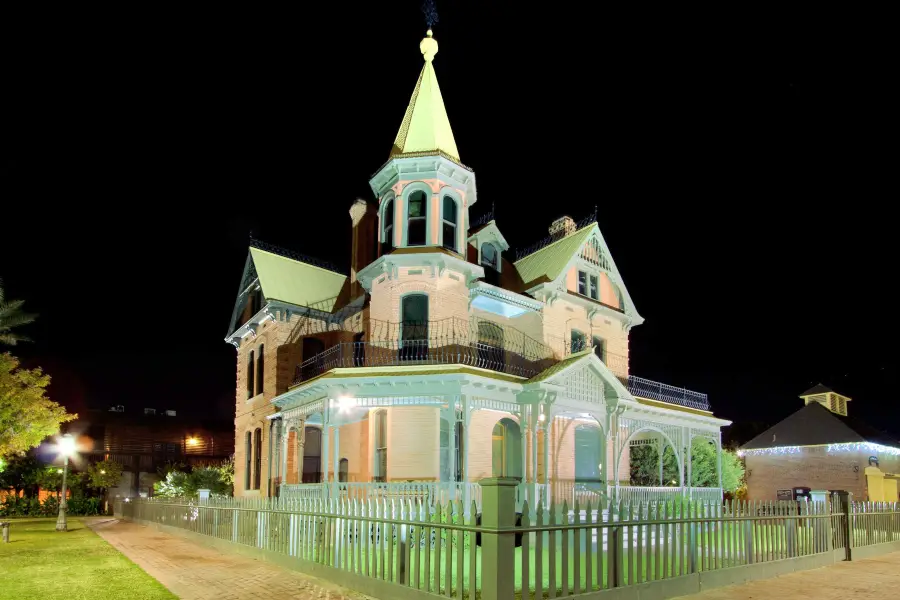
(506, 449)
(661, 433)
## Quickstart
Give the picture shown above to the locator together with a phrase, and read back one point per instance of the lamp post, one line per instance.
(66, 447)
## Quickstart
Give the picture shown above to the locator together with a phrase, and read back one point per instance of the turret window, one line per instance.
(260, 369)
(387, 218)
(416, 219)
(450, 221)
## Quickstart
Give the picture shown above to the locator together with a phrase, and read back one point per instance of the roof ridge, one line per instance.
(554, 242)
(294, 255)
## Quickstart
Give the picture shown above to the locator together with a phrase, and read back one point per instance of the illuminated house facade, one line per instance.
(437, 361)
(820, 447)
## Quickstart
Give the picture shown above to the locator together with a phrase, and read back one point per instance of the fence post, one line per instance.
(843, 499)
(498, 550)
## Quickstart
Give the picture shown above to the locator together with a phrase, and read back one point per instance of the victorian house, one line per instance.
(437, 360)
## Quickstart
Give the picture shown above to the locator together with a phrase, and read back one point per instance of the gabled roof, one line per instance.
(288, 277)
(561, 366)
(816, 389)
(426, 127)
(815, 425)
(296, 282)
(548, 263)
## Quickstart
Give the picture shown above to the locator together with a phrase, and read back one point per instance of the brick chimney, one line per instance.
(365, 219)
(562, 227)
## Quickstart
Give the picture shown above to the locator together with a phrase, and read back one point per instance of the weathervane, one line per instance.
(429, 9)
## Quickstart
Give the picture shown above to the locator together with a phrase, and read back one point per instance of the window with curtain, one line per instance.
(251, 370)
(248, 451)
(260, 369)
(380, 443)
(594, 291)
(579, 341)
(450, 222)
(417, 213)
(582, 283)
(387, 219)
(257, 458)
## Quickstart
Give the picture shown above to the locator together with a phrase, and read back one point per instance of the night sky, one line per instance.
(741, 163)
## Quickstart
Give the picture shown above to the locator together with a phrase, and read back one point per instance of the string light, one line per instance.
(843, 447)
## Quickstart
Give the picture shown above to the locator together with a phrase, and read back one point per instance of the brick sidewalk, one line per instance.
(195, 572)
(877, 577)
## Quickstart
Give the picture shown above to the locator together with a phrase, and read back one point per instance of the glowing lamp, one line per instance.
(66, 445)
(346, 403)
(192, 441)
(59, 470)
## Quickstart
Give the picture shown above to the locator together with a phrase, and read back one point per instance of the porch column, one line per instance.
(285, 435)
(326, 449)
(690, 442)
(271, 462)
(534, 454)
(547, 450)
(301, 446)
(660, 449)
(336, 461)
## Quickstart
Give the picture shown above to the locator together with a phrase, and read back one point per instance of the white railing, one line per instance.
(656, 494)
(426, 492)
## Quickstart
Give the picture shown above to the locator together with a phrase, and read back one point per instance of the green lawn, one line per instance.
(41, 563)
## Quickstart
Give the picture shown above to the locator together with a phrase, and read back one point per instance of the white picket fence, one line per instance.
(562, 551)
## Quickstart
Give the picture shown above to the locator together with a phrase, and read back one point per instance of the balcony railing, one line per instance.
(654, 390)
(479, 343)
(474, 342)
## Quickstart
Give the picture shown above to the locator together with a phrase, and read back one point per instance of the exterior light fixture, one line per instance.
(66, 447)
(346, 403)
(59, 470)
(192, 441)
(103, 471)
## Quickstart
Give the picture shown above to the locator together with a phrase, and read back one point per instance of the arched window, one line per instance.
(414, 327)
(260, 369)
(489, 256)
(248, 452)
(417, 214)
(251, 370)
(450, 221)
(490, 260)
(380, 443)
(506, 449)
(311, 470)
(387, 219)
(257, 458)
(343, 469)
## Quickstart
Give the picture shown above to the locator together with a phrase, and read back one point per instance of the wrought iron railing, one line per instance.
(475, 342)
(645, 388)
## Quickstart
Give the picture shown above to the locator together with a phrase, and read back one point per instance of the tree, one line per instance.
(11, 316)
(218, 479)
(704, 466)
(21, 474)
(104, 475)
(27, 416)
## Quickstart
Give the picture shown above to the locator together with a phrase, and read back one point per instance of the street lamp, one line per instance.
(66, 446)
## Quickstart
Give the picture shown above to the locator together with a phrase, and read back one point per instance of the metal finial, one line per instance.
(429, 9)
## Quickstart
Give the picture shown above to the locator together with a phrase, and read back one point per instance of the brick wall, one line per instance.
(813, 467)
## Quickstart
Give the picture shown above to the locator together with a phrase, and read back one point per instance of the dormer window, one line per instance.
(416, 219)
(387, 219)
(490, 260)
(450, 220)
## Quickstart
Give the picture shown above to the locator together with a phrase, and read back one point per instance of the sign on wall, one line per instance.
(784, 495)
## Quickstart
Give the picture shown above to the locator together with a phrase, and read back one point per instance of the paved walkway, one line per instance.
(195, 572)
(877, 577)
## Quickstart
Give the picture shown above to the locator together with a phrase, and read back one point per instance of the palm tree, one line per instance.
(11, 316)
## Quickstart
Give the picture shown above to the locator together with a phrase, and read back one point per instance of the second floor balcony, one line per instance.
(475, 342)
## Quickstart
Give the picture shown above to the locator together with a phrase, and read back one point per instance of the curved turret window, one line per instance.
(387, 219)
(450, 220)
(416, 219)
